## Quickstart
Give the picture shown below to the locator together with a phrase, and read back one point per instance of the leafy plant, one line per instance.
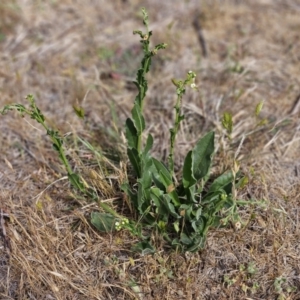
(282, 288)
(182, 213)
(181, 210)
(58, 144)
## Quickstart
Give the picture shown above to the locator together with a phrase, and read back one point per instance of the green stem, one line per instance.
(55, 141)
(174, 132)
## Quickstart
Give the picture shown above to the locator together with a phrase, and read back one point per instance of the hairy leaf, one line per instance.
(188, 177)
(135, 160)
(163, 173)
(103, 221)
(138, 118)
(221, 182)
(131, 134)
(202, 155)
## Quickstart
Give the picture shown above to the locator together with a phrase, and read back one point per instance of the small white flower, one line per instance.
(238, 225)
(193, 85)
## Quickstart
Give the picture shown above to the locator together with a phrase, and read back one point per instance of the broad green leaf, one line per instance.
(163, 173)
(202, 155)
(131, 134)
(157, 181)
(187, 177)
(211, 197)
(103, 221)
(195, 225)
(135, 160)
(184, 239)
(190, 195)
(162, 178)
(146, 179)
(221, 182)
(171, 209)
(156, 193)
(163, 202)
(198, 243)
(144, 247)
(198, 213)
(138, 118)
(174, 196)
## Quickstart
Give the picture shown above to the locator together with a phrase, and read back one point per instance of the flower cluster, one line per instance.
(121, 224)
(191, 78)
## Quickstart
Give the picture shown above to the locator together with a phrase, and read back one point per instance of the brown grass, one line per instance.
(83, 52)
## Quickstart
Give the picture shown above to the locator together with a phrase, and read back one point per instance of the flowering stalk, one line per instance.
(180, 85)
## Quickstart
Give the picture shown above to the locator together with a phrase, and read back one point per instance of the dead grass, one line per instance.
(67, 53)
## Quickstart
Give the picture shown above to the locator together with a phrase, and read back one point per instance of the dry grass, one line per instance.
(66, 52)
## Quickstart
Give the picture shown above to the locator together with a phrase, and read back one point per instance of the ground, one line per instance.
(83, 53)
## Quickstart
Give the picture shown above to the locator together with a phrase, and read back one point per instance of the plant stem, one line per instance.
(174, 132)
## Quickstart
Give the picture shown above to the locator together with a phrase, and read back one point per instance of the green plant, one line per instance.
(181, 210)
(58, 144)
(244, 278)
(281, 287)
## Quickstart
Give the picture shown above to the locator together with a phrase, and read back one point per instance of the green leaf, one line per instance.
(221, 182)
(146, 179)
(176, 226)
(162, 178)
(212, 197)
(131, 134)
(258, 108)
(103, 221)
(198, 213)
(76, 181)
(186, 211)
(198, 243)
(163, 173)
(188, 178)
(202, 155)
(79, 111)
(135, 160)
(242, 182)
(171, 209)
(149, 144)
(144, 247)
(184, 239)
(164, 203)
(174, 196)
(191, 193)
(227, 122)
(138, 118)
(143, 203)
(127, 190)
